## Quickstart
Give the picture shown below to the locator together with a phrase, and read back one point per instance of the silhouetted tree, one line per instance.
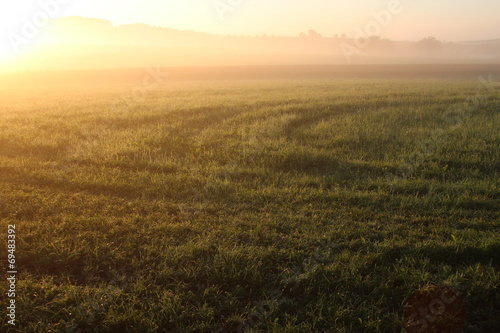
(313, 34)
(376, 44)
(430, 44)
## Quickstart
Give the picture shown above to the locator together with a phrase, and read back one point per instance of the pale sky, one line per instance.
(449, 20)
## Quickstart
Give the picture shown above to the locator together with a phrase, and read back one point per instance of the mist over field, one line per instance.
(249, 166)
(78, 43)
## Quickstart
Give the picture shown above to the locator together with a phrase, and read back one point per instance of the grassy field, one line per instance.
(311, 205)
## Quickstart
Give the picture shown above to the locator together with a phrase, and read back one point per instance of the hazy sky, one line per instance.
(451, 20)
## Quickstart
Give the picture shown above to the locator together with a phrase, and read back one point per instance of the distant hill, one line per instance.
(80, 30)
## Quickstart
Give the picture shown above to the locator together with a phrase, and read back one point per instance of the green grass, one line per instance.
(273, 206)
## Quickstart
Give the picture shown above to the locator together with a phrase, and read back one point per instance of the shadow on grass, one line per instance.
(14, 149)
(180, 189)
(323, 164)
(462, 254)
